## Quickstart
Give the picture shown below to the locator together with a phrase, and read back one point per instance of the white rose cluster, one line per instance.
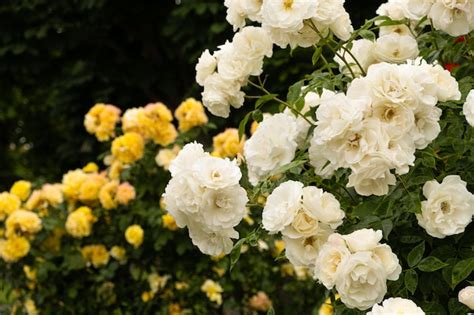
(276, 139)
(305, 216)
(455, 17)
(292, 22)
(380, 122)
(397, 306)
(223, 73)
(204, 194)
(448, 209)
(358, 266)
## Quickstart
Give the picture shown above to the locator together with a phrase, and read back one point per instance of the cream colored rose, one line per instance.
(332, 253)
(468, 108)
(395, 48)
(448, 209)
(361, 281)
(397, 306)
(466, 297)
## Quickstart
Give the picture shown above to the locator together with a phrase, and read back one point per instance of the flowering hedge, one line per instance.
(362, 174)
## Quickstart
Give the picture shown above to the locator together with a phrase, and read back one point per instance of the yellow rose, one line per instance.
(14, 248)
(146, 296)
(190, 114)
(79, 222)
(279, 247)
(213, 291)
(157, 282)
(260, 302)
(22, 189)
(107, 195)
(101, 121)
(128, 148)
(90, 188)
(30, 307)
(8, 204)
(227, 143)
(72, 182)
(134, 235)
(118, 253)
(52, 194)
(125, 193)
(30, 272)
(154, 122)
(174, 309)
(115, 169)
(97, 255)
(23, 223)
(169, 222)
(166, 156)
(91, 167)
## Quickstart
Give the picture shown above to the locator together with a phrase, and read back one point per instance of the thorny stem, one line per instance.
(263, 89)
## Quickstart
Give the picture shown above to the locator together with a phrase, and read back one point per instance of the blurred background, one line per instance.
(59, 58)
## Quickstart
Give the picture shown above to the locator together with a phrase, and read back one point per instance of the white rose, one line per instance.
(372, 176)
(322, 206)
(342, 27)
(319, 156)
(384, 83)
(182, 163)
(417, 9)
(397, 306)
(271, 146)
(466, 297)
(426, 127)
(400, 29)
(330, 256)
(222, 208)
(336, 114)
(234, 65)
(303, 225)
(363, 240)
(212, 243)
(448, 209)
(468, 108)
(253, 42)
(389, 261)
(205, 67)
(453, 17)
(287, 15)
(183, 197)
(304, 37)
(239, 10)
(219, 94)
(215, 173)
(395, 48)
(312, 99)
(361, 281)
(282, 206)
(447, 86)
(397, 119)
(362, 50)
(304, 251)
(395, 10)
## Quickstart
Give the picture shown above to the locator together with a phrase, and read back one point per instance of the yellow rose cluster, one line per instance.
(114, 194)
(79, 222)
(153, 122)
(190, 114)
(21, 225)
(95, 255)
(101, 121)
(227, 144)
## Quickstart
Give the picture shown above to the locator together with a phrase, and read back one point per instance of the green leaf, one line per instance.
(415, 255)
(271, 311)
(257, 115)
(411, 280)
(235, 253)
(462, 270)
(243, 124)
(264, 99)
(294, 92)
(430, 264)
(367, 35)
(317, 54)
(387, 227)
